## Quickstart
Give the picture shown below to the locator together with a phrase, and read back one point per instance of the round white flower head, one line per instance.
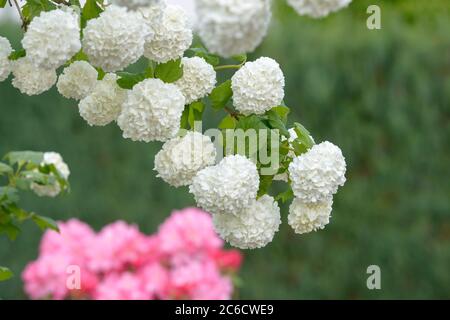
(77, 80)
(228, 187)
(152, 111)
(232, 27)
(5, 64)
(198, 80)
(258, 86)
(317, 8)
(306, 217)
(135, 4)
(317, 174)
(253, 228)
(52, 190)
(30, 79)
(52, 38)
(153, 13)
(104, 104)
(116, 38)
(173, 36)
(181, 158)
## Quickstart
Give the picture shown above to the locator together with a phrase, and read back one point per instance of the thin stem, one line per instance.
(230, 66)
(24, 23)
(231, 112)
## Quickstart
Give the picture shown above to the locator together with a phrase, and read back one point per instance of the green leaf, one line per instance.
(11, 230)
(4, 168)
(3, 3)
(241, 58)
(203, 53)
(229, 122)
(170, 71)
(91, 10)
(5, 273)
(304, 141)
(251, 122)
(282, 112)
(285, 196)
(184, 124)
(33, 8)
(25, 156)
(8, 195)
(221, 95)
(16, 55)
(276, 122)
(45, 223)
(129, 80)
(264, 184)
(196, 110)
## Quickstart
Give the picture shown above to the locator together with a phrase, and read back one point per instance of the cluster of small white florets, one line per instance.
(52, 190)
(318, 8)
(32, 80)
(5, 64)
(315, 177)
(77, 80)
(232, 27)
(258, 86)
(135, 4)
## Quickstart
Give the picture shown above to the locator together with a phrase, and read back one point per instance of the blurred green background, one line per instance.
(383, 96)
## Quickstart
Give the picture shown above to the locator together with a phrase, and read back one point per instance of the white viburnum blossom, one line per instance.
(198, 80)
(252, 228)
(258, 86)
(104, 104)
(152, 111)
(77, 80)
(53, 189)
(5, 64)
(317, 174)
(31, 80)
(52, 38)
(318, 8)
(116, 38)
(307, 217)
(228, 187)
(153, 13)
(182, 157)
(135, 4)
(173, 36)
(232, 27)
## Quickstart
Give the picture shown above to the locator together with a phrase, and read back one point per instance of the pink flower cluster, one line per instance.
(185, 259)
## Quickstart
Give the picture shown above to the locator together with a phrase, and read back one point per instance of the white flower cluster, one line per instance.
(152, 111)
(116, 38)
(228, 187)
(105, 102)
(232, 27)
(32, 80)
(254, 227)
(53, 189)
(318, 8)
(77, 80)
(198, 80)
(258, 86)
(5, 64)
(181, 158)
(52, 38)
(135, 4)
(173, 36)
(315, 177)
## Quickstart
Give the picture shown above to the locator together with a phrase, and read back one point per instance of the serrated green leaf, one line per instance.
(5, 274)
(5, 169)
(170, 71)
(221, 95)
(229, 122)
(25, 156)
(45, 223)
(129, 80)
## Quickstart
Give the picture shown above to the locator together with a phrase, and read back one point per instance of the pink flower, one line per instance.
(121, 286)
(230, 260)
(155, 280)
(188, 231)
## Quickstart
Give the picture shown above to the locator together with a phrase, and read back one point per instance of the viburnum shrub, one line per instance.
(229, 169)
(45, 174)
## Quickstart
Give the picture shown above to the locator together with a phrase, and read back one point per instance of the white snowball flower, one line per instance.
(52, 38)
(152, 111)
(318, 8)
(181, 158)
(30, 79)
(153, 13)
(252, 228)
(77, 80)
(317, 174)
(228, 187)
(232, 27)
(135, 4)
(258, 86)
(198, 80)
(115, 39)
(173, 36)
(105, 102)
(306, 217)
(53, 189)
(5, 64)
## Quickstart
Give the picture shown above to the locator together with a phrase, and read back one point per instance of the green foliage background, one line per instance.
(382, 96)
